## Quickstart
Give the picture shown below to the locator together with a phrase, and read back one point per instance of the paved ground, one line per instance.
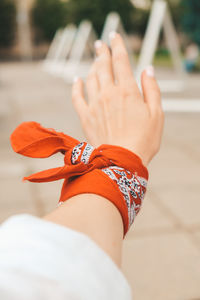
(162, 251)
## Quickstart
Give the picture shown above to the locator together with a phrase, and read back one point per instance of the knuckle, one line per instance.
(106, 96)
(109, 93)
(126, 92)
(130, 90)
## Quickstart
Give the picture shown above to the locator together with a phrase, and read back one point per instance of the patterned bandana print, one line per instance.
(81, 153)
(112, 172)
(131, 186)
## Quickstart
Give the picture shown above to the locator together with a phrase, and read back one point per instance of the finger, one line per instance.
(103, 64)
(78, 99)
(120, 60)
(151, 90)
(92, 84)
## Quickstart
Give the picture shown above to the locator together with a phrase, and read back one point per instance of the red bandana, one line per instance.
(109, 171)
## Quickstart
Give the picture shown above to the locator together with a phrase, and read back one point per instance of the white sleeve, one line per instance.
(40, 260)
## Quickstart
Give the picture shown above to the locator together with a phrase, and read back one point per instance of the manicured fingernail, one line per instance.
(112, 35)
(76, 78)
(150, 71)
(98, 44)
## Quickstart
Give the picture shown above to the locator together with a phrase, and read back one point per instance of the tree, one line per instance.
(7, 22)
(190, 20)
(48, 16)
(97, 10)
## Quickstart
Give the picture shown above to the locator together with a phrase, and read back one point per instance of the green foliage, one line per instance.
(176, 12)
(190, 19)
(97, 10)
(48, 16)
(140, 19)
(7, 22)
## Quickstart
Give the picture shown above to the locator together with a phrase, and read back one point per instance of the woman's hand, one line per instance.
(117, 113)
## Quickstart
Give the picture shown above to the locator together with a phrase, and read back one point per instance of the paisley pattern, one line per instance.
(85, 157)
(81, 153)
(76, 152)
(132, 187)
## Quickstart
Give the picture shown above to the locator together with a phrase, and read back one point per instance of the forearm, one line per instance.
(96, 217)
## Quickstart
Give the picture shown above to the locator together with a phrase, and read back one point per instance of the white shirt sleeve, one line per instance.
(40, 260)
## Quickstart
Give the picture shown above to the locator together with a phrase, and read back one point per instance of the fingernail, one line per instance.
(98, 44)
(150, 71)
(112, 35)
(76, 78)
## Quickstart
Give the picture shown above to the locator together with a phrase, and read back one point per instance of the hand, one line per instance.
(117, 113)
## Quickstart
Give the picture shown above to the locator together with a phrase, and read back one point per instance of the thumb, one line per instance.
(151, 90)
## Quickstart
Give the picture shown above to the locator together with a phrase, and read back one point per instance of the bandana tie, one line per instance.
(110, 171)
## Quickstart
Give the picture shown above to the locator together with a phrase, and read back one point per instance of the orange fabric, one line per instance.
(31, 139)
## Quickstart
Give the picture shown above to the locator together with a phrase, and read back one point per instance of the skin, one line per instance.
(116, 113)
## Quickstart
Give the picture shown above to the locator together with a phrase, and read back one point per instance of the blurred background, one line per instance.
(27, 27)
(161, 258)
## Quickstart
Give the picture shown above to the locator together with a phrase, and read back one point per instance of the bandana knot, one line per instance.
(31, 139)
(81, 153)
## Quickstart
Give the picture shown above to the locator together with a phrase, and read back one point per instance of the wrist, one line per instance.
(138, 151)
